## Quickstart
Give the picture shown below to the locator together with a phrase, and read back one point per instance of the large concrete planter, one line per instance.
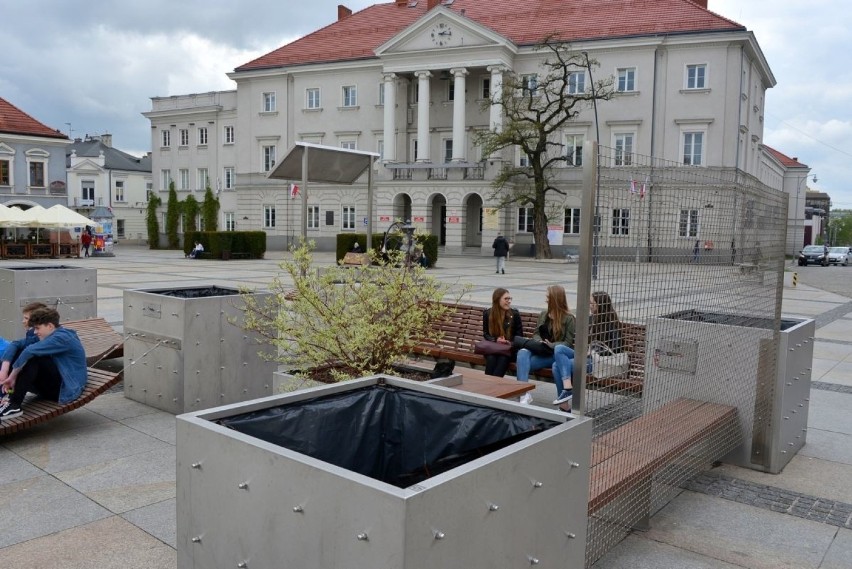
(320, 500)
(184, 353)
(73, 291)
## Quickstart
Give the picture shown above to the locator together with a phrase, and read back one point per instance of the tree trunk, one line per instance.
(542, 245)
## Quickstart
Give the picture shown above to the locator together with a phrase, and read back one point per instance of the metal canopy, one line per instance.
(326, 164)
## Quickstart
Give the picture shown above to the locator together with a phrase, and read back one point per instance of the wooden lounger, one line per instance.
(99, 339)
(38, 410)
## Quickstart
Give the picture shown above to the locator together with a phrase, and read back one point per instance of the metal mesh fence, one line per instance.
(686, 270)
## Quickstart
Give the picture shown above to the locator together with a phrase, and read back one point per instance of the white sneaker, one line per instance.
(526, 399)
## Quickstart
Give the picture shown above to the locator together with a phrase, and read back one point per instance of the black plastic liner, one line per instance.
(395, 435)
(41, 268)
(198, 292)
(743, 320)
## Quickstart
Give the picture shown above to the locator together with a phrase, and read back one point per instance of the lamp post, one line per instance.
(595, 228)
(408, 230)
(798, 216)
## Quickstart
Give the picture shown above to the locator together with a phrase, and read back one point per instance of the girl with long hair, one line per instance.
(500, 323)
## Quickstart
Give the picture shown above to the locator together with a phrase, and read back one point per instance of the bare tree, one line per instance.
(536, 108)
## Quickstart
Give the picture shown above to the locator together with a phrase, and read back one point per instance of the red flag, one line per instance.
(632, 186)
(644, 187)
(294, 191)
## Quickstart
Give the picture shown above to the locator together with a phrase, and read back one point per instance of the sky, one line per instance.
(92, 67)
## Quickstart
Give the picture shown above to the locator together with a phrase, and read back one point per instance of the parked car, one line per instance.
(811, 254)
(839, 256)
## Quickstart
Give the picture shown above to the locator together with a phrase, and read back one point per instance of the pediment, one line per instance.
(86, 166)
(6, 149)
(442, 29)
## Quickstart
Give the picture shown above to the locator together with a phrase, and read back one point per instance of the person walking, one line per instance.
(86, 241)
(501, 250)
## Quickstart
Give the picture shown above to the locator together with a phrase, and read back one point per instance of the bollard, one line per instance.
(795, 279)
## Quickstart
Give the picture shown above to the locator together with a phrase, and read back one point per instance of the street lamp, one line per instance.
(408, 230)
(798, 212)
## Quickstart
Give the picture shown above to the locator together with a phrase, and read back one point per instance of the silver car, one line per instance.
(839, 256)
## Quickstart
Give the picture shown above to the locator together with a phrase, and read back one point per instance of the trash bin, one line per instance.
(733, 359)
(183, 352)
(381, 472)
(73, 291)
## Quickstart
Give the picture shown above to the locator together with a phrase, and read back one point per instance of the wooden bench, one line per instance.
(462, 327)
(38, 410)
(100, 340)
(353, 259)
(629, 456)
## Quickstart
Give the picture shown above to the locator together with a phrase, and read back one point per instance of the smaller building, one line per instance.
(817, 211)
(100, 176)
(32, 160)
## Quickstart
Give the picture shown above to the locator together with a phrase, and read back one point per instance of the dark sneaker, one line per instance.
(10, 412)
(564, 396)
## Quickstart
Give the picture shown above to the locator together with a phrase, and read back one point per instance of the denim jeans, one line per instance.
(501, 264)
(563, 366)
(527, 362)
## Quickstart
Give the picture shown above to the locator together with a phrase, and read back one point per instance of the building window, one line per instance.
(381, 94)
(573, 149)
(348, 144)
(348, 217)
(37, 174)
(621, 221)
(624, 149)
(269, 217)
(229, 135)
(529, 85)
(688, 226)
(312, 98)
(230, 221)
(523, 159)
(626, 79)
(269, 102)
(572, 220)
(313, 217)
(165, 179)
(167, 138)
(414, 150)
(268, 158)
(380, 148)
(202, 136)
(693, 146)
(183, 179)
(5, 173)
(448, 150)
(486, 88)
(451, 90)
(525, 220)
(87, 193)
(119, 228)
(696, 76)
(203, 179)
(119, 190)
(228, 175)
(184, 137)
(577, 82)
(350, 96)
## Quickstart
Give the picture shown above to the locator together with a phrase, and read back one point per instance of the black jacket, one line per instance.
(517, 325)
(500, 246)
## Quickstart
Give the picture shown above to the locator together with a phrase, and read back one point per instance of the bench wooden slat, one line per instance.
(100, 340)
(38, 410)
(627, 457)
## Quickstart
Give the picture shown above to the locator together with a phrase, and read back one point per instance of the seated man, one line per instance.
(51, 364)
(197, 250)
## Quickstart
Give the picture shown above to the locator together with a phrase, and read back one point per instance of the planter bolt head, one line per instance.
(493, 507)
(533, 560)
(243, 485)
(573, 464)
(242, 565)
(571, 535)
(196, 539)
(440, 535)
(537, 484)
(362, 537)
(298, 509)
(196, 465)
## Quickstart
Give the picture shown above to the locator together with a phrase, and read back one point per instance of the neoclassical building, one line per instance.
(412, 81)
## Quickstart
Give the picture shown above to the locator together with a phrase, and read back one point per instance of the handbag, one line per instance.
(489, 348)
(537, 347)
(606, 363)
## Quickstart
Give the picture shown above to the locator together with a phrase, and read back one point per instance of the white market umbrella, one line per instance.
(30, 217)
(10, 216)
(61, 216)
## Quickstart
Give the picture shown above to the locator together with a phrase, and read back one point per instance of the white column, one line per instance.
(496, 116)
(423, 116)
(459, 142)
(390, 117)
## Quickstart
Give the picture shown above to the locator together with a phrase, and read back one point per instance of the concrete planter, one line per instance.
(245, 501)
(73, 291)
(184, 354)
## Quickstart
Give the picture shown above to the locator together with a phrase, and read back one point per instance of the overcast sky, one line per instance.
(96, 64)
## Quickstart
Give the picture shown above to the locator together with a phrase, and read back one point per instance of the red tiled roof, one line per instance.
(524, 22)
(785, 160)
(15, 121)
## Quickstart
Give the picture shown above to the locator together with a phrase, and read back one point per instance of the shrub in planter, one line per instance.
(357, 322)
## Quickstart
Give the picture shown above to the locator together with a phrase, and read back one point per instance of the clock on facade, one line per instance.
(442, 34)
